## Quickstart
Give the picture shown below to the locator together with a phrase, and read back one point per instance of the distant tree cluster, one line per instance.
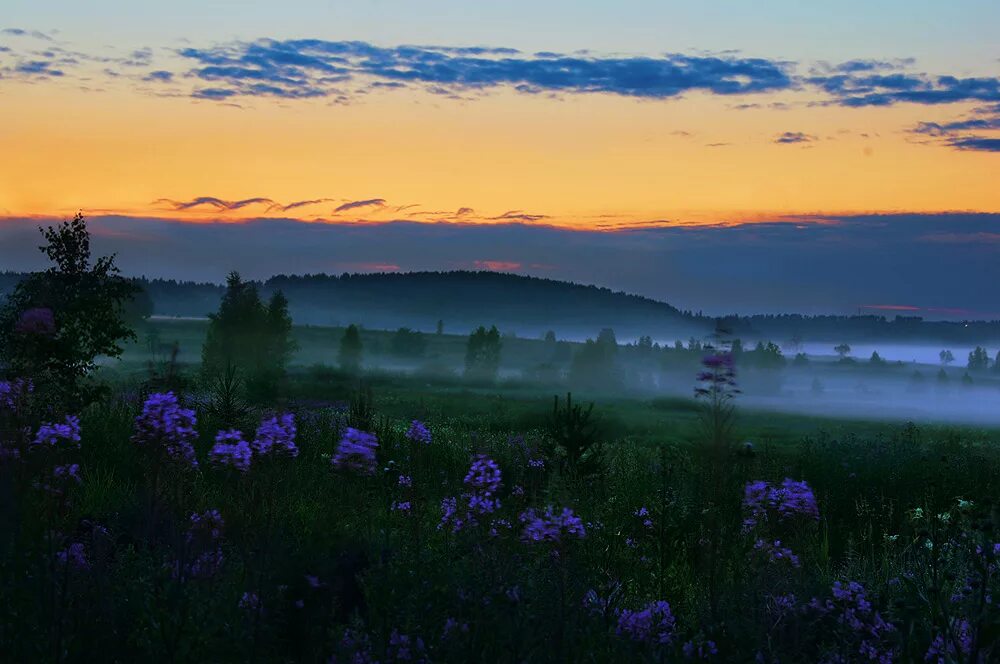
(482, 354)
(250, 337)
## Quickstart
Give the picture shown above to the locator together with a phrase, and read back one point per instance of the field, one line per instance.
(520, 531)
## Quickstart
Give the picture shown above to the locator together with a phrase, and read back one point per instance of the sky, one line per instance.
(773, 155)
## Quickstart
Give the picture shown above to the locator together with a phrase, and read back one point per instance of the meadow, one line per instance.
(223, 503)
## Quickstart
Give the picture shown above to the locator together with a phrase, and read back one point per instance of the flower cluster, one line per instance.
(404, 649)
(776, 553)
(203, 546)
(651, 625)
(550, 525)
(14, 393)
(791, 499)
(167, 429)
(700, 649)
(63, 477)
(851, 610)
(945, 648)
(38, 320)
(65, 434)
(643, 513)
(276, 435)
(418, 433)
(356, 451)
(482, 481)
(74, 555)
(231, 450)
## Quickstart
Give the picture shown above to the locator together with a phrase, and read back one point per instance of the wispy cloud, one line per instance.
(955, 133)
(354, 205)
(213, 202)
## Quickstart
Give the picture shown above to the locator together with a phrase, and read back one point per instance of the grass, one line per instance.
(336, 571)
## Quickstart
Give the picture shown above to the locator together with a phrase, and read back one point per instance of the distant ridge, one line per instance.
(529, 306)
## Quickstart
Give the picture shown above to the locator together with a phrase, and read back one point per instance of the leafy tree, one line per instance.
(440, 327)
(482, 354)
(408, 343)
(351, 350)
(876, 359)
(595, 364)
(843, 350)
(996, 363)
(947, 357)
(979, 360)
(56, 323)
(249, 338)
(801, 360)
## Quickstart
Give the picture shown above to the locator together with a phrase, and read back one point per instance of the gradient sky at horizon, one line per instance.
(608, 115)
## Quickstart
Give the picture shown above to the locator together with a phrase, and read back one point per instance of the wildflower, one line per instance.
(203, 546)
(401, 506)
(405, 481)
(74, 555)
(404, 649)
(851, 609)
(499, 524)
(551, 526)
(643, 513)
(418, 433)
(702, 650)
(38, 320)
(449, 515)
(357, 646)
(313, 581)
(536, 463)
(483, 476)
(14, 393)
(64, 477)
(231, 450)
(450, 625)
(942, 648)
(517, 491)
(791, 499)
(718, 380)
(53, 434)
(276, 434)
(356, 451)
(167, 429)
(776, 553)
(652, 625)
(250, 602)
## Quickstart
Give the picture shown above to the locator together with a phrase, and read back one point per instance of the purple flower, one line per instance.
(942, 648)
(718, 380)
(276, 434)
(401, 506)
(404, 649)
(357, 647)
(356, 451)
(536, 463)
(791, 499)
(64, 477)
(643, 513)
(449, 515)
(700, 650)
(776, 553)
(483, 476)
(14, 393)
(54, 434)
(231, 450)
(39, 320)
(166, 428)
(551, 526)
(418, 433)
(451, 625)
(865, 627)
(405, 481)
(250, 602)
(651, 625)
(75, 555)
(203, 546)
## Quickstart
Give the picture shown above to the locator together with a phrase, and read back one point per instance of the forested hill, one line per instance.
(461, 300)
(530, 306)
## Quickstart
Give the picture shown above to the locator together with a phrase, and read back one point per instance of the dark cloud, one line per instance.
(298, 204)
(895, 88)
(518, 215)
(159, 76)
(353, 205)
(791, 137)
(39, 68)
(217, 203)
(810, 264)
(20, 32)
(952, 134)
(304, 68)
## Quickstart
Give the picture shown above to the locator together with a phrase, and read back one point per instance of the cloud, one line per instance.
(353, 205)
(519, 215)
(497, 266)
(20, 32)
(159, 76)
(808, 264)
(888, 89)
(790, 137)
(304, 68)
(299, 204)
(217, 203)
(40, 68)
(952, 133)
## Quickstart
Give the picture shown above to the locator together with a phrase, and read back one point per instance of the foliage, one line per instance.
(351, 350)
(979, 359)
(57, 323)
(249, 337)
(595, 363)
(577, 436)
(482, 354)
(408, 343)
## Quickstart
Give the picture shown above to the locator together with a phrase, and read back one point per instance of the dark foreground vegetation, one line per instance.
(230, 510)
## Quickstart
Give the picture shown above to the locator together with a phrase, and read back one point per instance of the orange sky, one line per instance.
(573, 159)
